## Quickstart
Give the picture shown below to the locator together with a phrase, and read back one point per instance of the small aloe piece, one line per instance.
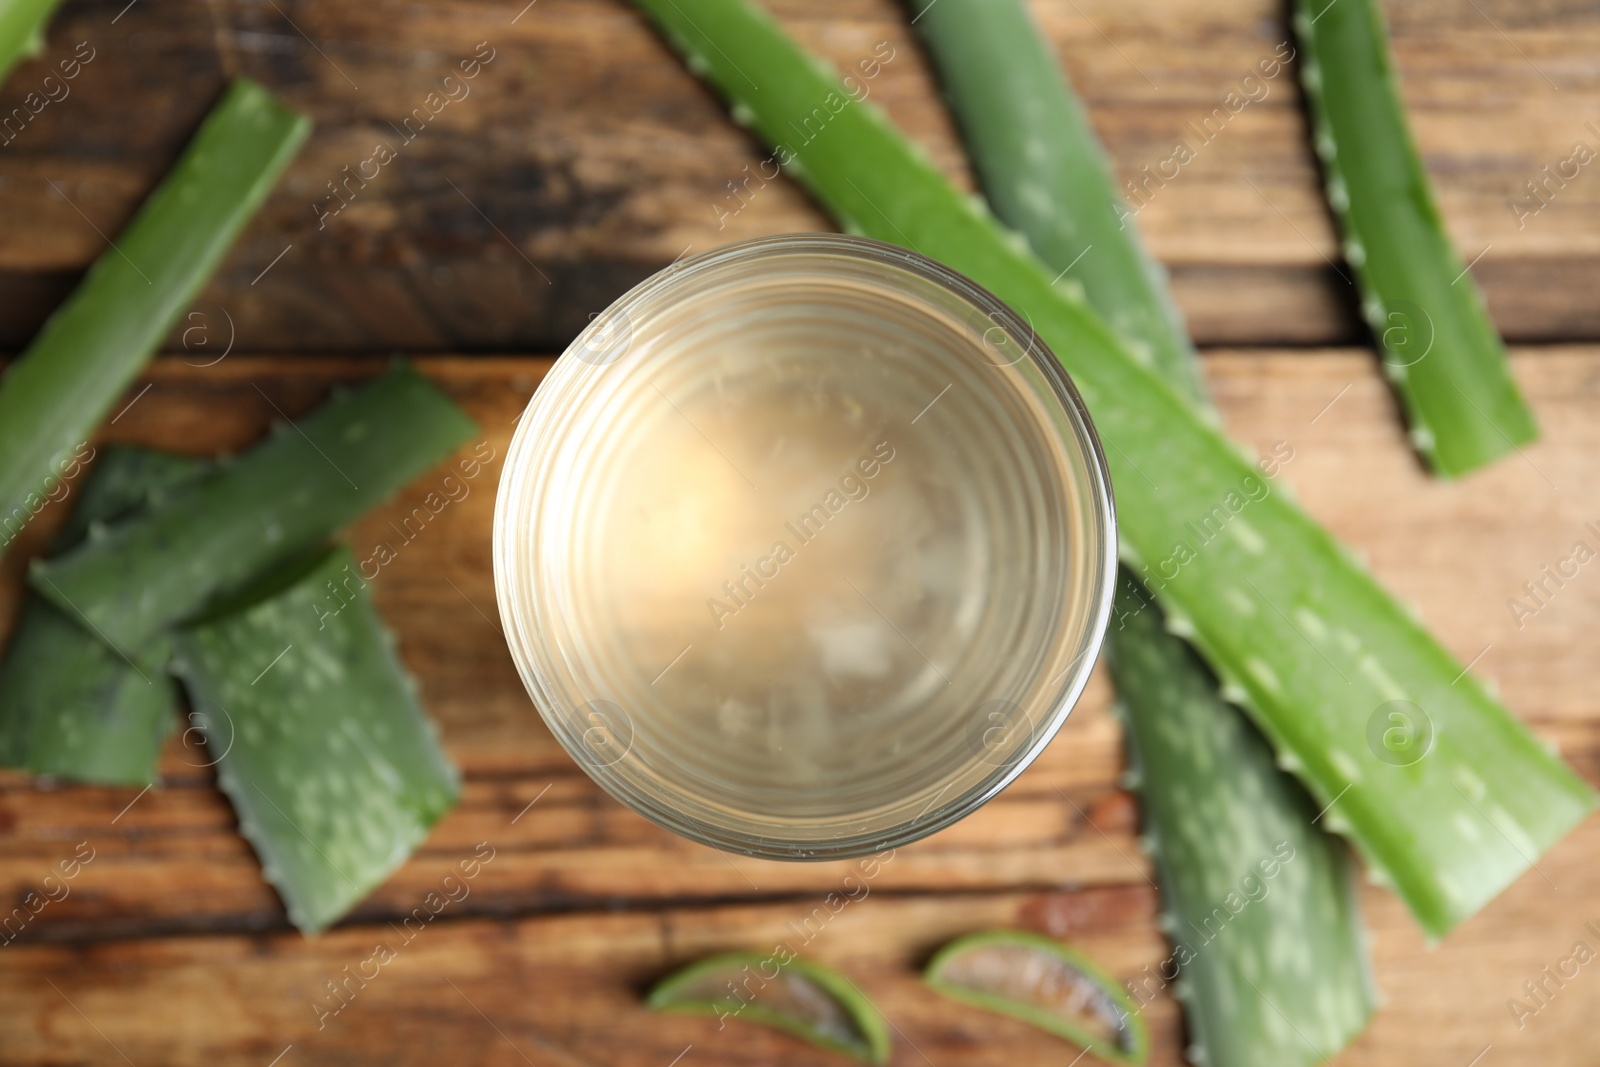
(1296, 630)
(1259, 904)
(333, 767)
(1214, 802)
(279, 499)
(126, 480)
(1437, 343)
(1045, 984)
(22, 30)
(69, 705)
(93, 346)
(806, 999)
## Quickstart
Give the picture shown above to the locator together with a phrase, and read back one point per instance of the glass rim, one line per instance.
(570, 370)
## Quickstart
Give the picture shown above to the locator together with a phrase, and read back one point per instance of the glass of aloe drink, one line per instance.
(805, 547)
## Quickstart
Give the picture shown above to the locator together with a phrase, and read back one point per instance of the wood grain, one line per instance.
(584, 157)
(564, 989)
(583, 902)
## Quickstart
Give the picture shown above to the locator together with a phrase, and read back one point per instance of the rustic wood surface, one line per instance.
(171, 948)
(583, 159)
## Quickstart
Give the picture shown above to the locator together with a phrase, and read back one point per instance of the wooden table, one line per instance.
(585, 158)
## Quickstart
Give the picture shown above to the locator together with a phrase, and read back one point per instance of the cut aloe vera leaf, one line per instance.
(333, 767)
(1438, 346)
(779, 990)
(125, 480)
(1297, 631)
(1259, 904)
(282, 497)
(69, 705)
(1045, 174)
(73, 708)
(90, 350)
(1215, 806)
(1043, 983)
(22, 25)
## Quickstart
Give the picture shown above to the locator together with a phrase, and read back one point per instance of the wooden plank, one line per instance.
(564, 990)
(582, 157)
(560, 991)
(1459, 551)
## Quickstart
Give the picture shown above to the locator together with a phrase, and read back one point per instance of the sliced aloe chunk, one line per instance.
(69, 705)
(125, 481)
(1215, 806)
(1259, 905)
(93, 346)
(279, 499)
(1046, 984)
(73, 708)
(333, 767)
(1438, 346)
(806, 999)
(1296, 630)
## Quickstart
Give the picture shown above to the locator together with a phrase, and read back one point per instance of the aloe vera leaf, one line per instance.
(1259, 904)
(1045, 984)
(806, 999)
(125, 480)
(22, 30)
(73, 708)
(1297, 631)
(1214, 803)
(1438, 346)
(93, 346)
(282, 497)
(69, 705)
(1036, 156)
(333, 767)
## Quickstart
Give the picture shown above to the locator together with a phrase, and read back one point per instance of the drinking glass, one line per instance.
(805, 547)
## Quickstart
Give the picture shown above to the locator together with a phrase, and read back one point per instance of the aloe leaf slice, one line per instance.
(1215, 806)
(333, 767)
(1045, 984)
(22, 30)
(1296, 630)
(93, 346)
(126, 480)
(282, 497)
(69, 705)
(1258, 904)
(1045, 174)
(1438, 346)
(778, 989)
(73, 708)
